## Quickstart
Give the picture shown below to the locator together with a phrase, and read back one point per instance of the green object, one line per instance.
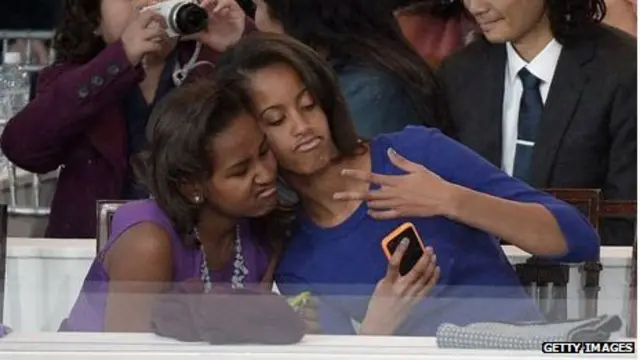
(299, 301)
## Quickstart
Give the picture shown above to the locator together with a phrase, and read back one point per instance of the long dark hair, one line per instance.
(570, 18)
(366, 32)
(180, 131)
(441, 9)
(75, 40)
(261, 50)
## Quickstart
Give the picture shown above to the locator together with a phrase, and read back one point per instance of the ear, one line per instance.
(193, 192)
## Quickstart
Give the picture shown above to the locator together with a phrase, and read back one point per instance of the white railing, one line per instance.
(11, 177)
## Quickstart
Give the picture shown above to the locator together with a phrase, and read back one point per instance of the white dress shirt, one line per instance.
(543, 66)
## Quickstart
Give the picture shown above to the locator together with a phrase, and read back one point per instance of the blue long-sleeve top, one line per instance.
(342, 264)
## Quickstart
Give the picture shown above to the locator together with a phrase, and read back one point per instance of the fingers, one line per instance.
(147, 17)
(361, 195)
(413, 292)
(224, 6)
(393, 269)
(218, 7)
(154, 32)
(382, 204)
(385, 215)
(368, 176)
(421, 267)
(221, 6)
(433, 281)
(402, 163)
(208, 5)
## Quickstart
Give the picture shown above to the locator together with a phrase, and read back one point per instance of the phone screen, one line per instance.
(413, 253)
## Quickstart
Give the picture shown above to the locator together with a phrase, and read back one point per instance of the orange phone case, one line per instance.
(395, 233)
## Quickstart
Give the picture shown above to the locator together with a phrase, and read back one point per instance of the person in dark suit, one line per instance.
(549, 95)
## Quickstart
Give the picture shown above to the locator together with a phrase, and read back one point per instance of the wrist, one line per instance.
(453, 200)
(369, 328)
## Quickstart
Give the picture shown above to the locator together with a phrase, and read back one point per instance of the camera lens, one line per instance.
(190, 19)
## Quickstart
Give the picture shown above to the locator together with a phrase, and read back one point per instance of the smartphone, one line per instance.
(413, 253)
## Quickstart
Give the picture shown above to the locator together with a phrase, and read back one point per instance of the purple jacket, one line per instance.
(76, 121)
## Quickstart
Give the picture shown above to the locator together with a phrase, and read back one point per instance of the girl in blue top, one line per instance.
(353, 193)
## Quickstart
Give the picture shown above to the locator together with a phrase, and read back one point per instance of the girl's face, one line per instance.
(244, 171)
(295, 124)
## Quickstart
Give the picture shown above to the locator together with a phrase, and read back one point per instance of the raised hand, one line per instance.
(418, 193)
(226, 24)
(145, 34)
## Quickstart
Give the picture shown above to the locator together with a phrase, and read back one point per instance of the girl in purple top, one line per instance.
(212, 178)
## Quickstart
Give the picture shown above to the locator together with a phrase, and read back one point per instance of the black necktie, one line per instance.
(530, 112)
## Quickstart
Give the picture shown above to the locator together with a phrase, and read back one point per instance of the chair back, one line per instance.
(620, 209)
(104, 212)
(546, 281)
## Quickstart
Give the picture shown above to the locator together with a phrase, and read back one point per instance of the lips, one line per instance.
(266, 193)
(308, 144)
(486, 25)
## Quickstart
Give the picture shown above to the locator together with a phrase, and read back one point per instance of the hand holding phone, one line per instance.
(395, 295)
(415, 248)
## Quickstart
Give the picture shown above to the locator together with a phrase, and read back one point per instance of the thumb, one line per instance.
(400, 162)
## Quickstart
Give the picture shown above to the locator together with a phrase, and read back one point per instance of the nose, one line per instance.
(300, 124)
(476, 7)
(266, 171)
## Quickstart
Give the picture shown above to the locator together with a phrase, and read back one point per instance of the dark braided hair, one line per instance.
(75, 40)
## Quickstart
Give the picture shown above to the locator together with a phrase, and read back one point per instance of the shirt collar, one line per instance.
(543, 66)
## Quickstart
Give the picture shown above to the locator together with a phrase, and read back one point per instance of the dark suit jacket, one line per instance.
(76, 121)
(587, 135)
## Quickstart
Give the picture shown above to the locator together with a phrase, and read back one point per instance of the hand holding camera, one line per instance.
(182, 17)
(225, 26)
(215, 23)
(143, 35)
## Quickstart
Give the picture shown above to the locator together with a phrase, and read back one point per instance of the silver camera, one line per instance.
(183, 17)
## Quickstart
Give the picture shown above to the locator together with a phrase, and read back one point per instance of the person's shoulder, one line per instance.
(139, 208)
(53, 71)
(468, 56)
(614, 49)
(413, 142)
(411, 137)
(143, 252)
(359, 77)
(132, 213)
(612, 39)
(139, 228)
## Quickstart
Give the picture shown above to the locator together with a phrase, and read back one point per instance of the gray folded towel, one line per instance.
(525, 336)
